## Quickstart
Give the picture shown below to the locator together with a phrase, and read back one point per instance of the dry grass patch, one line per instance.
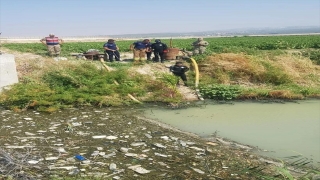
(31, 65)
(230, 68)
(281, 94)
(303, 70)
(238, 63)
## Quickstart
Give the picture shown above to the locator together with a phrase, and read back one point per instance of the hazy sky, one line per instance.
(36, 18)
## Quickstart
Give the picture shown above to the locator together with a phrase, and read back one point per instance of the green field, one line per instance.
(221, 44)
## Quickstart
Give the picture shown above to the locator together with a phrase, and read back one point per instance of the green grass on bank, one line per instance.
(81, 83)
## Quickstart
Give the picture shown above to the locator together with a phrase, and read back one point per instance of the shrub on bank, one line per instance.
(83, 84)
(220, 92)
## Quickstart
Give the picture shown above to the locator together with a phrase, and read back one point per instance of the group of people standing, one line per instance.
(144, 48)
(141, 50)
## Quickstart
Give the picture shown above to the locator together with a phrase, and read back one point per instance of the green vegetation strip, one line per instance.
(217, 44)
(276, 67)
(82, 84)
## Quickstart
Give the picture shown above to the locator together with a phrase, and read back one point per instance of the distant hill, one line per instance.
(217, 33)
(231, 32)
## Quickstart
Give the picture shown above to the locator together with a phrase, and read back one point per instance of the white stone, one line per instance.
(139, 169)
(111, 137)
(138, 144)
(123, 149)
(148, 136)
(131, 154)
(41, 131)
(33, 162)
(196, 148)
(161, 155)
(198, 171)
(159, 145)
(76, 124)
(58, 144)
(109, 155)
(165, 138)
(102, 153)
(99, 137)
(86, 161)
(63, 167)
(61, 150)
(29, 134)
(113, 167)
(51, 158)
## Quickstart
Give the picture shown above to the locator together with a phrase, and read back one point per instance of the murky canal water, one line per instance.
(279, 129)
(46, 144)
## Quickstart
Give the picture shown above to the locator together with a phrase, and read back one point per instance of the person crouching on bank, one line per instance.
(179, 70)
(112, 50)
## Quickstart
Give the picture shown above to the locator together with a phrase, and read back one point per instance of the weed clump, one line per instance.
(220, 92)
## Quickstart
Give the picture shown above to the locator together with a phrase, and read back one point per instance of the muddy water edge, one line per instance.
(116, 143)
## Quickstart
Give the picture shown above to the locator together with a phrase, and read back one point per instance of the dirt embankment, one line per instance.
(28, 63)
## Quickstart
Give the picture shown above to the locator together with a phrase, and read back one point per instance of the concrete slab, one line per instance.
(8, 70)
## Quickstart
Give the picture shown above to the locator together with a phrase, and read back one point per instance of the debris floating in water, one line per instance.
(99, 137)
(139, 169)
(111, 137)
(33, 162)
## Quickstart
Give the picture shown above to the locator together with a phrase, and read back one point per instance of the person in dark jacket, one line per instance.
(179, 70)
(159, 49)
(112, 49)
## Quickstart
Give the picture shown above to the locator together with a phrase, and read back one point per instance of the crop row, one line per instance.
(251, 42)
